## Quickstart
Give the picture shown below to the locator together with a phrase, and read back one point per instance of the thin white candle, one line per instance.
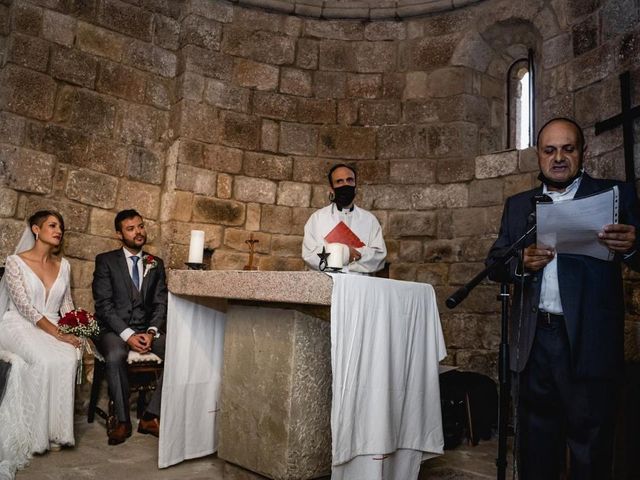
(196, 246)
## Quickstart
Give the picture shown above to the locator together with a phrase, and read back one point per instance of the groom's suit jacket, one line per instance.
(591, 290)
(118, 304)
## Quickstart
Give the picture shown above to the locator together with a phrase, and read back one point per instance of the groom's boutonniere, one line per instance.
(149, 262)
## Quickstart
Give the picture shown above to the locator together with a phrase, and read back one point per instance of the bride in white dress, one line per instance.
(36, 412)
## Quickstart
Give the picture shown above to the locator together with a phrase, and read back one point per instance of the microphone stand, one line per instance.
(503, 355)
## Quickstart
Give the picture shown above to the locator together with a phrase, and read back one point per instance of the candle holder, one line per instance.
(195, 266)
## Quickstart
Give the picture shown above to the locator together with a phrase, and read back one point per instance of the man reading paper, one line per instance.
(344, 222)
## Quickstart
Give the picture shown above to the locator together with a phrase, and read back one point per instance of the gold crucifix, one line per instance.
(251, 242)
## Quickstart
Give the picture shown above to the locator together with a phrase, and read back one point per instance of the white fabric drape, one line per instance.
(386, 342)
(191, 382)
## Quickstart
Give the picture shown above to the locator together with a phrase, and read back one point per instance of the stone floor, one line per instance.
(136, 459)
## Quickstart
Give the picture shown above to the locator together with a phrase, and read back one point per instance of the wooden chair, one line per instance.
(144, 370)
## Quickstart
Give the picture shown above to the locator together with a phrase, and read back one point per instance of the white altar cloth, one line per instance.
(191, 382)
(386, 343)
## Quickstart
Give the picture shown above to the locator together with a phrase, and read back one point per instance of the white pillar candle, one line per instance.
(336, 257)
(196, 246)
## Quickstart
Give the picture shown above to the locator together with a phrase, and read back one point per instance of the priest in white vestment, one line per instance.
(364, 259)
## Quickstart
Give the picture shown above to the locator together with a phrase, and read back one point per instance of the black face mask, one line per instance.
(344, 195)
(561, 185)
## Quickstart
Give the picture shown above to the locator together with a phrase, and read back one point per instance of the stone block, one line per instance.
(410, 251)
(412, 171)
(347, 142)
(142, 197)
(449, 81)
(299, 218)
(334, 29)
(81, 273)
(335, 55)
(159, 93)
(275, 105)
(476, 221)
(269, 135)
(385, 30)
(229, 260)
(454, 139)
(190, 86)
(267, 166)
(475, 249)
(286, 245)
(101, 223)
(307, 53)
(528, 160)
(103, 156)
(253, 217)
(27, 51)
(585, 35)
(319, 195)
(222, 159)
(379, 112)
(373, 57)
(223, 95)
(220, 12)
(70, 146)
(519, 183)
(58, 28)
(373, 172)
(364, 85)
(311, 169)
(86, 247)
(453, 195)
(239, 130)
(27, 18)
(73, 66)
(294, 194)
(472, 51)
(150, 58)
(255, 19)
(432, 273)
(144, 165)
(200, 31)
(260, 76)
(384, 197)
(427, 53)
(126, 18)
(236, 239)
(213, 210)
(619, 17)
(408, 224)
(224, 186)
(176, 206)
(276, 219)
(393, 85)
(442, 250)
(591, 67)
(206, 62)
(598, 101)
(196, 180)
(92, 188)
(497, 165)
(180, 233)
(86, 111)
(294, 81)
(486, 192)
(403, 271)
(347, 112)
(405, 141)
(12, 128)
(329, 84)
(296, 138)
(197, 121)
(120, 81)
(312, 110)
(26, 170)
(166, 32)
(10, 233)
(259, 190)
(26, 92)
(99, 41)
(143, 125)
(8, 202)
(267, 47)
(280, 264)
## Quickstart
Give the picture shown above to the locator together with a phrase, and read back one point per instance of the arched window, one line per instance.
(520, 103)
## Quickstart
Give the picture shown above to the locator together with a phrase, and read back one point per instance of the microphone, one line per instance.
(535, 200)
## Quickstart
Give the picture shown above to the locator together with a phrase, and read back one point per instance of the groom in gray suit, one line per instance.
(130, 295)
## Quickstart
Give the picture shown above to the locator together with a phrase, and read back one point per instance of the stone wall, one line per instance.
(211, 115)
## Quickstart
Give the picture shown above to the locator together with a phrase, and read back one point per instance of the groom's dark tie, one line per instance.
(135, 276)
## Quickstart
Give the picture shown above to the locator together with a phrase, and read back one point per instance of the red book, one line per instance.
(343, 234)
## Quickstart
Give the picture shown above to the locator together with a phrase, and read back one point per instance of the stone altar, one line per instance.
(275, 406)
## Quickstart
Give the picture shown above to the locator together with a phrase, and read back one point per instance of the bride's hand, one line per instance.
(70, 339)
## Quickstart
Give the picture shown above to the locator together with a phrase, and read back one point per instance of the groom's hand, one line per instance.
(138, 343)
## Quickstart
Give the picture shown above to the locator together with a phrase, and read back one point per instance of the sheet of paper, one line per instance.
(572, 226)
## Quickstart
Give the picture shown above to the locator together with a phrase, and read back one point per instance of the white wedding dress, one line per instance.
(37, 407)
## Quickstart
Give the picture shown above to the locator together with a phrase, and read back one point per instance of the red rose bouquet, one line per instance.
(82, 324)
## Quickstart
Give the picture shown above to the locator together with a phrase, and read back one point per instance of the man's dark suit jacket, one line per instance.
(115, 296)
(590, 289)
